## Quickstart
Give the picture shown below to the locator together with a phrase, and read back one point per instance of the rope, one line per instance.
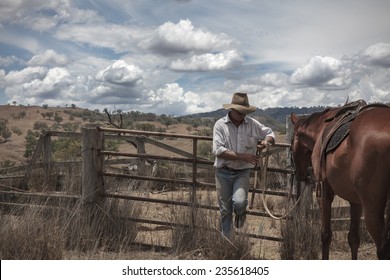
(263, 169)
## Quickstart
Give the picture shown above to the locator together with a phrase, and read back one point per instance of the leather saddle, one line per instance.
(334, 134)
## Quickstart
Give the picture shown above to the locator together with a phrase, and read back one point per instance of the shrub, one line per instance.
(5, 133)
(31, 143)
(40, 126)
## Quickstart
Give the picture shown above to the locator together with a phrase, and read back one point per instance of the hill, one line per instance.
(277, 113)
(21, 126)
(273, 117)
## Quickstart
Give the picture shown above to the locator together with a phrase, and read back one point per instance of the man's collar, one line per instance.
(227, 119)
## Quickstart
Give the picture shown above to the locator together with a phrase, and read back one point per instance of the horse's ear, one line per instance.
(294, 118)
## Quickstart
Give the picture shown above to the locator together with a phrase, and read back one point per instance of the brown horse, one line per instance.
(357, 170)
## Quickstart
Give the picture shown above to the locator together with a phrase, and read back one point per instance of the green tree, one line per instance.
(66, 149)
(16, 130)
(5, 133)
(204, 148)
(40, 126)
(22, 114)
(71, 127)
(31, 143)
(57, 118)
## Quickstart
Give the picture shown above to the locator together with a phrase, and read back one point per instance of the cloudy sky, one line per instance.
(187, 56)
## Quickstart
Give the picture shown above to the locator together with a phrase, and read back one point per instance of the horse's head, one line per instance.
(301, 148)
(307, 129)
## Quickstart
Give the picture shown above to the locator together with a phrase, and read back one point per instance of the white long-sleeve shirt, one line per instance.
(242, 139)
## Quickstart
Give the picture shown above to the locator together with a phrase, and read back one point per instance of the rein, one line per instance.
(262, 167)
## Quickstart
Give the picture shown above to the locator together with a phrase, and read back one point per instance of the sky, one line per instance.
(180, 57)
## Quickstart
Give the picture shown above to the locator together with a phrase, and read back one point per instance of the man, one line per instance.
(235, 140)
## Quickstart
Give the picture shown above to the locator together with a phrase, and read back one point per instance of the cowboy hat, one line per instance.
(240, 103)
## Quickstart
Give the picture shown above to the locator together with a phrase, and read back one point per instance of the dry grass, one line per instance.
(30, 237)
(37, 229)
(201, 239)
(301, 232)
(45, 233)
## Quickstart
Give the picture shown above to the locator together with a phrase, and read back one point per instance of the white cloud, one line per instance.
(118, 83)
(26, 75)
(121, 73)
(43, 15)
(274, 80)
(49, 57)
(208, 62)
(182, 37)
(9, 60)
(37, 84)
(378, 54)
(322, 72)
(173, 100)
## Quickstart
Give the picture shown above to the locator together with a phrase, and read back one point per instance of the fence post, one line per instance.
(92, 167)
(194, 180)
(289, 133)
(47, 157)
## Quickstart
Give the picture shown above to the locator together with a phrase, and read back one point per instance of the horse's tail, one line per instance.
(385, 248)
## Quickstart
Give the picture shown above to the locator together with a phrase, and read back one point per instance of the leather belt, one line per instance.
(232, 169)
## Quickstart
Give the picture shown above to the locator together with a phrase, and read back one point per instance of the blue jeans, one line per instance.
(232, 192)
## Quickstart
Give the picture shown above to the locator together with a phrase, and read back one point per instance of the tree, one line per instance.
(66, 149)
(31, 143)
(57, 118)
(22, 114)
(40, 126)
(47, 115)
(167, 120)
(5, 133)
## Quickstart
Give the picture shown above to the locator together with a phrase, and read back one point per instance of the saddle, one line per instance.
(333, 135)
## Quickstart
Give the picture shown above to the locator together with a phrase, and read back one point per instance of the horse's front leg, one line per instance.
(354, 227)
(326, 200)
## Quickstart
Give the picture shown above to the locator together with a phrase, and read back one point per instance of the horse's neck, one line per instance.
(314, 132)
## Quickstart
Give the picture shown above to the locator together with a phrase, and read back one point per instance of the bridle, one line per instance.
(308, 178)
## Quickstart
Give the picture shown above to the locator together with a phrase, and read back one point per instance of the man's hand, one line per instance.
(262, 145)
(253, 159)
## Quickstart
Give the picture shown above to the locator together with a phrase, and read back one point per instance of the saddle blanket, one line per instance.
(338, 136)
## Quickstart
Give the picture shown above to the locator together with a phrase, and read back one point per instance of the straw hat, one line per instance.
(240, 103)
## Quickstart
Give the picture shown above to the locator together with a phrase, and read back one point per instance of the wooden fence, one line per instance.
(93, 167)
(94, 171)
